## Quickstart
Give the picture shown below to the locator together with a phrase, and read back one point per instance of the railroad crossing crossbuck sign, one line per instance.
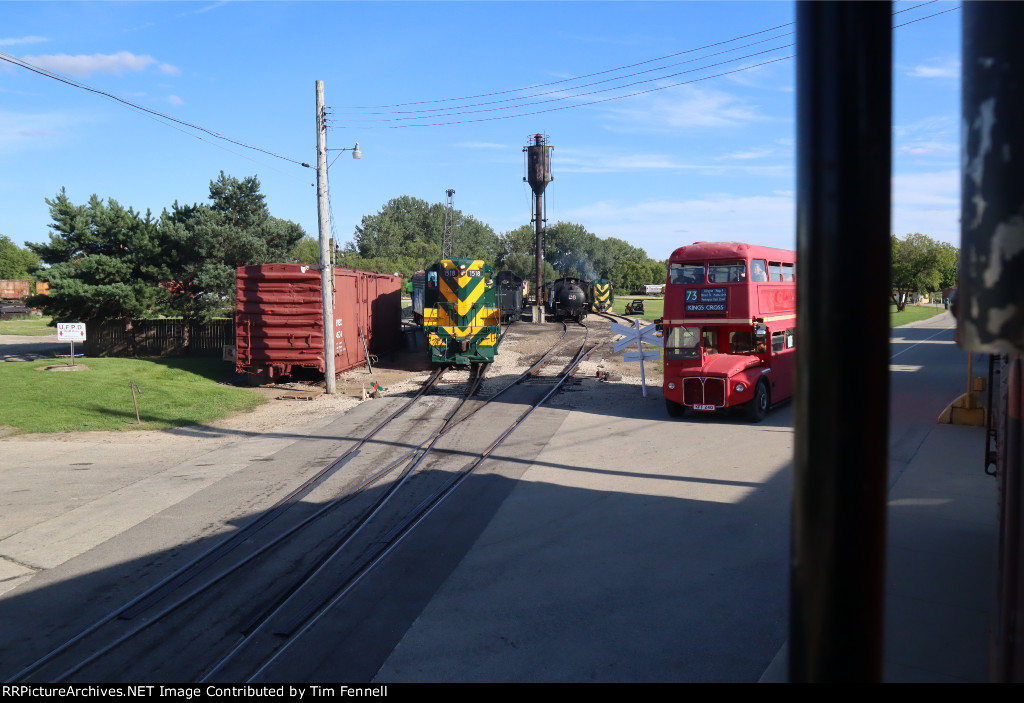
(639, 336)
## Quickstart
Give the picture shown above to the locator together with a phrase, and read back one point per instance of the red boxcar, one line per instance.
(279, 318)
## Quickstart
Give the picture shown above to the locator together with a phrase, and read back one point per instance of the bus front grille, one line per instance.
(704, 391)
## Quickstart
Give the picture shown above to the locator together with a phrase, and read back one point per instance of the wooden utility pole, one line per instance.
(326, 270)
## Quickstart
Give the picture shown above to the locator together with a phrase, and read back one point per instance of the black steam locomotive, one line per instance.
(510, 296)
(566, 299)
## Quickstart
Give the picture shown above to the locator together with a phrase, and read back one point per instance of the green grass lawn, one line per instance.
(175, 392)
(653, 307)
(913, 313)
(33, 326)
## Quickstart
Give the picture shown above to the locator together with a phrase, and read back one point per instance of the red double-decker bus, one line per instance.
(730, 328)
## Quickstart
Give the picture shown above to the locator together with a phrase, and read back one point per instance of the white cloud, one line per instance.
(174, 100)
(928, 203)
(659, 227)
(482, 145)
(930, 148)
(31, 130)
(578, 161)
(934, 136)
(17, 41)
(750, 154)
(84, 65)
(949, 68)
(169, 70)
(681, 107)
(575, 161)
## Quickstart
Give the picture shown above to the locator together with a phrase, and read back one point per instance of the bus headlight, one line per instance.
(740, 388)
(671, 385)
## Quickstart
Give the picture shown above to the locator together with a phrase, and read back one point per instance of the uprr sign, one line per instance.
(70, 331)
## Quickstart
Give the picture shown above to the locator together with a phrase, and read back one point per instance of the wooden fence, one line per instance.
(159, 338)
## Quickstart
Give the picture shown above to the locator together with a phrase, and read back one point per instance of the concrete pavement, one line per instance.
(605, 563)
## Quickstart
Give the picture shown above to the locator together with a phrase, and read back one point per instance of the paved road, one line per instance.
(44, 345)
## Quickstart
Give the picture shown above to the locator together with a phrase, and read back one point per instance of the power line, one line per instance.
(77, 84)
(605, 90)
(605, 80)
(592, 102)
(566, 80)
(610, 70)
(460, 109)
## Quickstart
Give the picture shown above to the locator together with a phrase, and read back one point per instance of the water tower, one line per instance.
(538, 174)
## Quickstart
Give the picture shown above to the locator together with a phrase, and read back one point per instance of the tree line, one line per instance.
(404, 236)
(107, 262)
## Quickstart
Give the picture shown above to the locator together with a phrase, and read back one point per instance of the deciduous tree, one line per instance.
(921, 265)
(408, 226)
(16, 263)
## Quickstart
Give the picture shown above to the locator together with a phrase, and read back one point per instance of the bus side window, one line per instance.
(788, 273)
(777, 342)
(757, 272)
(790, 338)
(775, 272)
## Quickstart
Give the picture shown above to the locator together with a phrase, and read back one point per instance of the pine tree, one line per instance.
(204, 244)
(104, 264)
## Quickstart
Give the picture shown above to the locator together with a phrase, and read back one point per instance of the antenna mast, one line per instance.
(447, 238)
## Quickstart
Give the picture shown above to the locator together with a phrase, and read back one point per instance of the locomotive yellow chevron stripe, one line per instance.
(487, 317)
(464, 290)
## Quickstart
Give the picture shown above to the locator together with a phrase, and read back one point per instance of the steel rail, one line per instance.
(250, 529)
(229, 542)
(425, 509)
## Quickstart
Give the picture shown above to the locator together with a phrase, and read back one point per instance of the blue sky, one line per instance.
(707, 160)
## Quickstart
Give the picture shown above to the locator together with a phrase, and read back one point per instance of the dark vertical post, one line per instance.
(539, 247)
(990, 308)
(844, 113)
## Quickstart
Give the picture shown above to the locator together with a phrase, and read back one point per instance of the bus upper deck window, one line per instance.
(775, 272)
(758, 272)
(727, 271)
(788, 273)
(686, 273)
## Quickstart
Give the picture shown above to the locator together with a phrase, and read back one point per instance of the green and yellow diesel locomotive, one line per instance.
(461, 319)
(601, 295)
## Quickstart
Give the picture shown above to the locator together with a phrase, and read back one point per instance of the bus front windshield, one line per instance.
(686, 342)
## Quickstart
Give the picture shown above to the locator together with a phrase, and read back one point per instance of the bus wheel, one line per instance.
(757, 408)
(674, 409)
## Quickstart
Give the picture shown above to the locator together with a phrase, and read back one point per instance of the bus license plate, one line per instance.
(703, 407)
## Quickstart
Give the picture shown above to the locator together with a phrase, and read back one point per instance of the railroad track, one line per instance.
(203, 606)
